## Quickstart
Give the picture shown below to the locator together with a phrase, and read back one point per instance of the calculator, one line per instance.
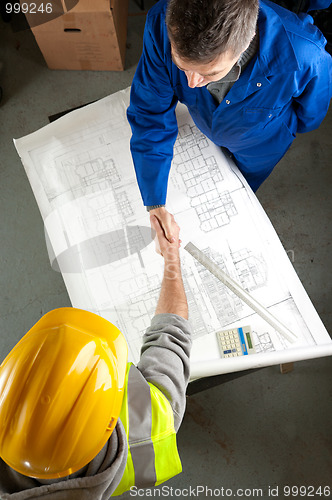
(236, 342)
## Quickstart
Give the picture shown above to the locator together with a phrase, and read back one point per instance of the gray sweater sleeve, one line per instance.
(164, 359)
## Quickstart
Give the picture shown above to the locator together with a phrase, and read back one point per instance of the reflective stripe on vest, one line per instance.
(147, 417)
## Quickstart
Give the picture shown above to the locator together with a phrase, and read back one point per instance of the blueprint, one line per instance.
(98, 236)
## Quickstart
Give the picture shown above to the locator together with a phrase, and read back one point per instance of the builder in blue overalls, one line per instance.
(251, 73)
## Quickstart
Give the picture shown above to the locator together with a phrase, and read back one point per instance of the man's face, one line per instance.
(199, 75)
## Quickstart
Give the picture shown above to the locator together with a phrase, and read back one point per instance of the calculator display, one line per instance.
(248, 337)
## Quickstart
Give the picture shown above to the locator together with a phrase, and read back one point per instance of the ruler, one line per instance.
(240, 292)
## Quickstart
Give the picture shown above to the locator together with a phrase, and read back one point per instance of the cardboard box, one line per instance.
(81, 34)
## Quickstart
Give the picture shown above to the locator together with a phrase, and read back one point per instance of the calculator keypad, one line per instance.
(229, 343)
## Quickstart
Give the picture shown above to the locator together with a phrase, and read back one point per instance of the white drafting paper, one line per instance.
(98, 236)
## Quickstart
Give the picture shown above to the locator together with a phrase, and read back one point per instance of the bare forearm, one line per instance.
(172, 297)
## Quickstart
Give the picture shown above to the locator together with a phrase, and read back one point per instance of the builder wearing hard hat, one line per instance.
(79, 422)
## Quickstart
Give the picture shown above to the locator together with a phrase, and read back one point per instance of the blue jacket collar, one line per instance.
(275, 54)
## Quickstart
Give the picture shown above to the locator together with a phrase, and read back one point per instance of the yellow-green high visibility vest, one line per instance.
(152, 452)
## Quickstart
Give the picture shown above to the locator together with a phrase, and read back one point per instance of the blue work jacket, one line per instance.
(318, 5)
(285, 89)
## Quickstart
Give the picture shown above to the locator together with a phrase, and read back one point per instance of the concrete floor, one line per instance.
(263, 430)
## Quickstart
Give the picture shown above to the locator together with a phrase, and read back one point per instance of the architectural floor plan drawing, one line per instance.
(202, 179)
(98, 236)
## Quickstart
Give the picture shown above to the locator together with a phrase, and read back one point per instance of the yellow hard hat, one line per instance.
(61, 391)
